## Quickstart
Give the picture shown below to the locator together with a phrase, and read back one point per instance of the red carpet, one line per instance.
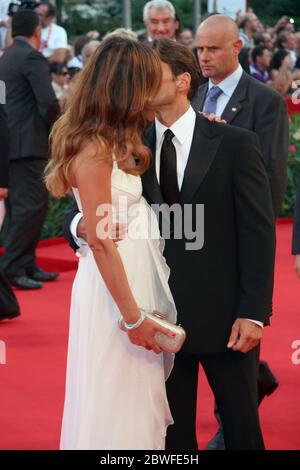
(32, 380)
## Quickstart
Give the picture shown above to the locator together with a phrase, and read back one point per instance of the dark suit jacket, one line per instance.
(31, 105)
(257, 107)
(4, 148)
(296, 232)
(232, 275)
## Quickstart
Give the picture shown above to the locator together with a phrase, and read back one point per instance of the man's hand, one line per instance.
(245, 335)
(297, 265)
(118, 231)
(3, 193)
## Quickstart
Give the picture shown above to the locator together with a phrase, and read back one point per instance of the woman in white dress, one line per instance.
(115, 385)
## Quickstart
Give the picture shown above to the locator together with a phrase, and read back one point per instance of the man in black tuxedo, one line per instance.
(223, 289)
(296, 233)
(244, 102)
(9, 307)
(31, 108)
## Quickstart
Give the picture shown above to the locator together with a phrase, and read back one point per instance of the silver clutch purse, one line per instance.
(166, 343)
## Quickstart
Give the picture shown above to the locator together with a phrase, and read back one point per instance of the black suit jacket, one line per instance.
(4, 148)
(31, 105)
(232, 275)
(296, 232)
(256, 107)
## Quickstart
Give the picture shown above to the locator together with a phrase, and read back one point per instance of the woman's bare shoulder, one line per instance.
(90, 159)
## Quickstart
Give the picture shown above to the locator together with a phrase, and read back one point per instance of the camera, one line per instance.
(17, 5)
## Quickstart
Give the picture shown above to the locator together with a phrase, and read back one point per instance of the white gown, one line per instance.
(115, 391)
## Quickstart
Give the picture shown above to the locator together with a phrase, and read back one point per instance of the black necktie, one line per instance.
(168, 170)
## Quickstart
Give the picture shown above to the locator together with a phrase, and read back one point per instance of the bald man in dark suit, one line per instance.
(296, 233)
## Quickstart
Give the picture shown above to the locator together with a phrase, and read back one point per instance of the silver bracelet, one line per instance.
(133, 326)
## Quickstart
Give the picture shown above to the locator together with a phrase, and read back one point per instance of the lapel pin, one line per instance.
(233, 109)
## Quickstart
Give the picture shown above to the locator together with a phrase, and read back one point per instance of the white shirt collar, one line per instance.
(228, 85)
(181, 128)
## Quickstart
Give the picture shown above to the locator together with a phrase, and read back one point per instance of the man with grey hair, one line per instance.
(160, 20)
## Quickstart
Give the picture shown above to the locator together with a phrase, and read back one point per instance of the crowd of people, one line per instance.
(239, 70)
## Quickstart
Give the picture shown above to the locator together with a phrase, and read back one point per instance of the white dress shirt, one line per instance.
(228, 85)
(183, 130)
(53, 37)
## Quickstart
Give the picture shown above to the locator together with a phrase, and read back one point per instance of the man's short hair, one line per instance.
(258, 52)
(24, 23)
(180, 60)
(159, 5)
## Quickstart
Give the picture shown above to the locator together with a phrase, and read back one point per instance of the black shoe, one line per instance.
(37, 274)
(267, 382)
(217, 442)
(9, 316)
(24, 282)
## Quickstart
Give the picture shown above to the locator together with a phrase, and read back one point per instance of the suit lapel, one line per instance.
(235, 104)
(150, 184)
(204, 147)
(199, 100)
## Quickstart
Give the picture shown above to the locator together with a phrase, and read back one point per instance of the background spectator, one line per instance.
(186, 38)
(286, 40)
(60, 78)
(31, 108)
(3, 21)
(88, 50)
(296, 233)
(9, 307)
(54, 40)
(261, 59)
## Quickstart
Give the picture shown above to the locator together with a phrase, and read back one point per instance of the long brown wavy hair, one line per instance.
(108, 107)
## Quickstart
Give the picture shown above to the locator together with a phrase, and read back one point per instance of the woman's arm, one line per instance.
(93, 179)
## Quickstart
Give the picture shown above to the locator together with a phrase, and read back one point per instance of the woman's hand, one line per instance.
(144, 335)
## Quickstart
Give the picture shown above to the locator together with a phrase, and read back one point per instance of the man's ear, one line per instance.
(238, 46)
(183, 82)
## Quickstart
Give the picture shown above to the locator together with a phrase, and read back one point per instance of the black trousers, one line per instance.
(26, 208)
(8, 301)
(232, 377)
